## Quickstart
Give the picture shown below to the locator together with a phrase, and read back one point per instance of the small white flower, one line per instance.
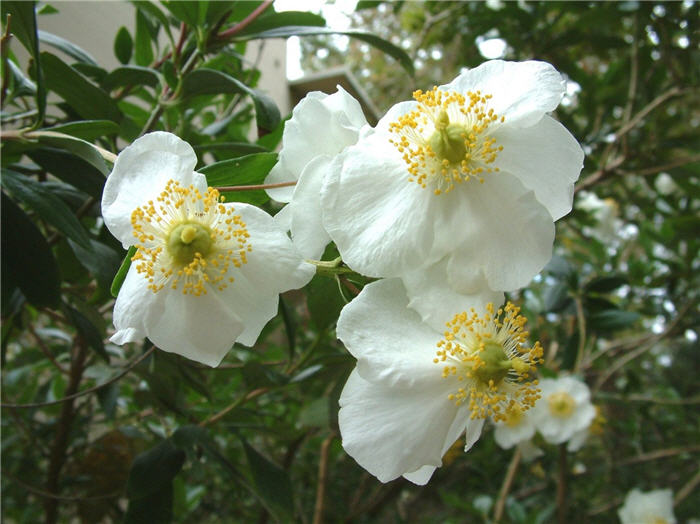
(206, 273)
(321, 127)
(605, 212)
(471, 175)
(651, 507)
(564, 409)
(517, 427)
(415, 390)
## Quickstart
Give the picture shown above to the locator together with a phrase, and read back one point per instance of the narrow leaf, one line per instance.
(67, 47)
(121, 273)
(143, 52)
(123, 45)
(87, 130)
(272, 485)
(130, 75)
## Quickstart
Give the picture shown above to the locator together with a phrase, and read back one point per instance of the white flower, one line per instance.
(470, 175)
(415, 390)
(516, 428)
(321, 127)
(652, 507)
(605, 212)
(564, 410)
(206, 273)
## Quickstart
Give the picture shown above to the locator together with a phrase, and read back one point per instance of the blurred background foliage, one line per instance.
(93, 432)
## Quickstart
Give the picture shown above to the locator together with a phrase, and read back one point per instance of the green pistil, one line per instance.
(495, 364)
(448, 140)
(186, 240)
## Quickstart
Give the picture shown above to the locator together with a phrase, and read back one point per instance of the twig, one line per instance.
(687, 489)
(240, 26)
(561, 486)
(664, 167)
(581, 319)
(507, 484)
(46, 351)
(674, 91)
(85, 391)
(248, 396)
(256, 187)
(658, 454)
(645, 398)
(46, 494)
(322, 479)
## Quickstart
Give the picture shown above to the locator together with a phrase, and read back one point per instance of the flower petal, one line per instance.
(522, 91)
(546, 158)
(391, 433)
(308, 233)
(437, 302)
(130, 308)
(381, 222)
(320, 125)
(389, 340)
(140, 174)
(509, 235)
(273, 266)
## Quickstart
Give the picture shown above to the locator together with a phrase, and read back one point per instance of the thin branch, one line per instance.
(322, 479)
(46, 351)
(248, 396)
(658, 454)
(256, 187)
(240, 26)
(85, 391)
(687, 489)
(507, 484)
(48, 495)
(581, 319)
(561, 486)
(644, 398)
(674, 91)
(664, 167)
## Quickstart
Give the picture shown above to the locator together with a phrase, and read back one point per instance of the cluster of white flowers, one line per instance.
(450, 201)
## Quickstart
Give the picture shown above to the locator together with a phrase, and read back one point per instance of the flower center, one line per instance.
(447, 138)
(513, 416)
(486, 355)
(188, 240)
(659, 520)
(561, 404)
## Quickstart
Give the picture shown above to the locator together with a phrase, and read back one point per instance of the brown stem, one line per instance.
(46, 351)
(256, 187)
(248, 396)
(561, 486)
(658, 454)
(240, 26)
(70, 397)
(57, 455)
(322, 479)
(505, 487)
(687, 489)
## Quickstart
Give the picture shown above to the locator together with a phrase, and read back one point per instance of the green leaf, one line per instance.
(271, 484)
(123, 45)
(612, 320)
(272, 20)
(324, 301)
(46, 205)
(209, 82)
(230, 148)
(67, 47)
(87, 130)
(606, 284)
(556, 297)
(71, 169)
(246, 170)
(80, 148)
(90, 333)
(387, 47)
(23, 26)
(191, 12)
(150, 484)
(143, 52)
(153, 11)
(88, 100)
(130, 75)
(27, 260)
(101, 260)
(121, 273)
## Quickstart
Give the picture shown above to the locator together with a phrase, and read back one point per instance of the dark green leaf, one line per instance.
(123, 45)
(257, 375)
(67, 47)
(21, 84)
(27, 260)
(273, 20)
(232, 148)
(130, 75)
(324, 301)
(143, 52)
(606, 284)
(87, 130)
(88, 100)
(556, 297)
(90, 333)
(46, 205)
(272, 485)
(80, 148)
(154, 469)
(23, 26)
(71, 169)
(101, 260)
(246, 170)
(121, 273)
(191, 12)
(209, 82)
(612, 320)
(387, 47)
